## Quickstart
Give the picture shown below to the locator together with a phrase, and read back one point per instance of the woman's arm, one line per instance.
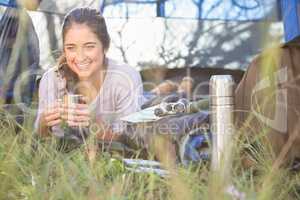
(48, 113)
(104, 132)
(128, 90)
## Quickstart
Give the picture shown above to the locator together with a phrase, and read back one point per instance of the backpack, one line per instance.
(267, 100)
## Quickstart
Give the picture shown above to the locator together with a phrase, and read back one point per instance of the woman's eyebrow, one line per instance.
(87, 43)
(69, 44)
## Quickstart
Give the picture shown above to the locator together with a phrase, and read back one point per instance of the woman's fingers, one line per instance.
(82, 112)
(76, 113)
(52, 116)
(75, 106)
(81, 106)
(78, 124)
(54, 122)
(78, 119)
(75, 118)
(81, 118)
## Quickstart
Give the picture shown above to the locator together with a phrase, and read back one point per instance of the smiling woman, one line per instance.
(109, 90)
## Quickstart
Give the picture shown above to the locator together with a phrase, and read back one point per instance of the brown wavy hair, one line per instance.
(96, 22)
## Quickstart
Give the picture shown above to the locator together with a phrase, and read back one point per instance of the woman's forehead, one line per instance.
(79, 28)
(80, 33)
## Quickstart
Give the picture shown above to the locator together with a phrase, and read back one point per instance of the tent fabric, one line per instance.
(17, 57)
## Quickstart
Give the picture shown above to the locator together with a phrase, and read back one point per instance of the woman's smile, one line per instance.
(83, 66)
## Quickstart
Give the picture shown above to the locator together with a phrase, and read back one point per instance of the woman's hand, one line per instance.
(76, 115)
(52, 115)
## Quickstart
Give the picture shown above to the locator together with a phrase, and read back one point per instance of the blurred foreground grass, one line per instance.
(32, 169)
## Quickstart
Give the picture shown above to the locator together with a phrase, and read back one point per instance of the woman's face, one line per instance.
(84, 51)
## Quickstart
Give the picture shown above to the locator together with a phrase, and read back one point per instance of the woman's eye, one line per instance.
(70, 48)
(90, 47)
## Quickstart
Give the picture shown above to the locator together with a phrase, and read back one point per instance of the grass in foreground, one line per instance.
(31, 169)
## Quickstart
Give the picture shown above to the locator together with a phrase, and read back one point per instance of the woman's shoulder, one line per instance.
(49, 74)
(50, 71)
(119, 69)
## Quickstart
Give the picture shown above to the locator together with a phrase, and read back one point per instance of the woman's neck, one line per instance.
(91, 87)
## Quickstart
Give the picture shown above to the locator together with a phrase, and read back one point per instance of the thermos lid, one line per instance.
(221, 89)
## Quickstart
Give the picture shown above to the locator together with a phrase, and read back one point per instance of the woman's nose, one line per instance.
(80, 54)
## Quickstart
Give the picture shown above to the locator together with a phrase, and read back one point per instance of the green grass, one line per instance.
(34, 169)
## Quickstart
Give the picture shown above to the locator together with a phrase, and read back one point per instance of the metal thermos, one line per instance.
(221, 89)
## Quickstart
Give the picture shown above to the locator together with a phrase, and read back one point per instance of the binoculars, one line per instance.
(181, 106)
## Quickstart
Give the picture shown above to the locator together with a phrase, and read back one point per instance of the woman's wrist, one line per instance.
(43, 130)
